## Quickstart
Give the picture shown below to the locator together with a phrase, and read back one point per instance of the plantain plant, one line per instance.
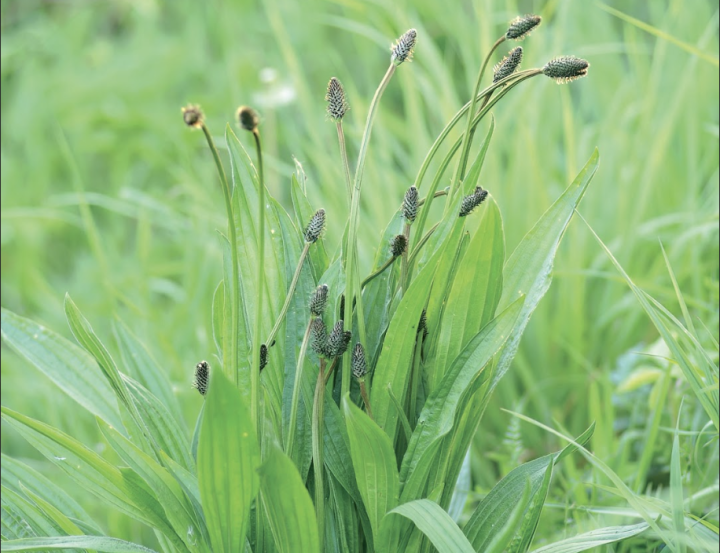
(312, 440)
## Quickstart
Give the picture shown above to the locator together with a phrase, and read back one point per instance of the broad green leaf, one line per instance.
(82, 464)
(475, 292)
(287, 504)
(142, 367)
(504, 533)
(374, 462)
(436, 524)
(529, 270)
(66, 525)
(228, 458)
(71, 368)
(16, 474)
(30, 518)
(594, 539)
(100, 544)
(523, 538)
(497, 506)
(438, 414)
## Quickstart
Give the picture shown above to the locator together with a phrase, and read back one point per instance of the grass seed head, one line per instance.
(508, 65)
(522, 26)
(402, 50)
(318, 300)
(193, 116)
(471, 201)
(410, 204)
(202, 377)
(398, 246)
(248, 118)
(337, 105)
(315, 226)
(359, 365)
(566, 68)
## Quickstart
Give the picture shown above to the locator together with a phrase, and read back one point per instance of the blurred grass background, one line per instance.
(108, 196)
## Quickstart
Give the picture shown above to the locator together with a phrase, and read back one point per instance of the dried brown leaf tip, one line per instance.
(202, 377)
(522, 26)
(315, 227)
(402, 50)
(398, 246)
(193, 116)
(337, 105)
(566, 68)
(508, 65)
(248, 118)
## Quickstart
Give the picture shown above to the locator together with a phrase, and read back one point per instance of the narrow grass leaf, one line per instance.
(100, 544)
(71, 368)
(374, 462)
(504, 533)
(523, 538)
(288, 506)
(594, 539)
(228, 457)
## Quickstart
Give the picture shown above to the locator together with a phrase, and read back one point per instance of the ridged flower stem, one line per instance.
(421, 243)
(317, 451)
(366, 397)
(377, 273)
(404, 264)
(467, 137)
(290, 442)
(422, 216)
(255, 372)
(231, 364)
(352, 280)
(291, 292)
(343, 155)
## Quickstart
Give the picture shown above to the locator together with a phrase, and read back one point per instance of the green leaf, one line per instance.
(374, 462)
(475, 292)
(141, 365)
(436, 524)
(63, 522)
(595, 538)
(100, 544)
(438, 414)
(28, 518)
(228, 457)
(523, 538)
(74, 371)
(288, 505)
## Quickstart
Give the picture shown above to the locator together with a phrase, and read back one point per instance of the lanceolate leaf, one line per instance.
(74, 371)
(288, 506)
(594, 539)
(374, 462)
(100, 544)
(228, 458)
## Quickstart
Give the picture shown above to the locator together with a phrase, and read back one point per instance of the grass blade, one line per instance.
(100, 544)
(595, 538)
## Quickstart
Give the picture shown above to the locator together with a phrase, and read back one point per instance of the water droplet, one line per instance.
(59, 458)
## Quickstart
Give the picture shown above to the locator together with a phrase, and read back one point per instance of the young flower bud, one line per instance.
(315, 226)
(193, 116)
(335, 97)
(520, 27)
(566, 68)
(410, 204)
(248, 118)
(263, 356)
(508, 65)
(472, 201)
(359, 365)
(319, 337)
(202, 377)
(318, 300)
(402, 50)
(398, 246)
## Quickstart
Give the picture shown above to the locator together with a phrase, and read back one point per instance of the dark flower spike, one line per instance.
(422, 324)
(359, 365)
(315, 226)
(248, 118)
(472, 201)
(318, 337)
(402, 50)
(263, 356)
(410, 204)
(398, 246)
(202, 377)
(338, 340)
(566, 68)
(520, 27)
(337, 104)
(318, 300)
(193, 116)
(508, 65)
